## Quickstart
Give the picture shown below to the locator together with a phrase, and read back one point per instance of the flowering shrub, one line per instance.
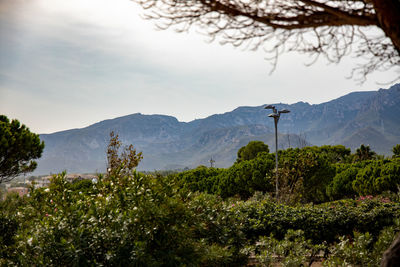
(132, 220)
(362, 249)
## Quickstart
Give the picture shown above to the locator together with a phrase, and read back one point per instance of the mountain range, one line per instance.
(371, 117)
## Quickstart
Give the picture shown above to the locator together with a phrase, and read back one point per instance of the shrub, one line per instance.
(132, 220)
(293, 250)
(201, 179)
(361, 250)
(324, 222)
(246, 177)
(342, 184)
(377, 177)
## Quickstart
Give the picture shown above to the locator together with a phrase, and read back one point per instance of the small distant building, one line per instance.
(21, 191)
(42, 182)
(45, 181)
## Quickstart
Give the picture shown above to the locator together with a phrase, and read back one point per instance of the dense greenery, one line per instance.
(209, 216)
(319, 223)
(309, 174)
(134, 220)
(251, 150)
(18, 149)
(148, 221)
(396, 151)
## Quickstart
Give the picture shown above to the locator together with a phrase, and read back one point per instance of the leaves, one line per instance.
(18, 148)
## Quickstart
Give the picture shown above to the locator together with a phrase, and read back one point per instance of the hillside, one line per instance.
(371, 117)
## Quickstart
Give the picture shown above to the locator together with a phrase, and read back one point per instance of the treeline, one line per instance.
(309, 174)
(132, 219)
(126, 218)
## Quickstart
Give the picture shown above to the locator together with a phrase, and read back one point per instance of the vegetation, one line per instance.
(314, 27)
(124, 161)
(364, 153)
(18, 149)
(396, 151)
(210, 216)
(251, 150)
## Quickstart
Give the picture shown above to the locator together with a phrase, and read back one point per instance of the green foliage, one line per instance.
(200, 179)
(362, 249)
(396, 151)
(8, 230)
(242, 179)
(246, 177)
(121, 162)
(334, 154)
(324, 222)
(305, 173)
(133, 219)
(251, 150)
(124, 219)
(130, 220)
(84, 185)
(342, 183)
(364, 153)
(310, 174)
(368, 177)
(293, 250)
(144, 220)
(378, 176)
(18, 149)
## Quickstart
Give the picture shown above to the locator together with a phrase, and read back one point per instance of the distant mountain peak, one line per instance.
(371, 117)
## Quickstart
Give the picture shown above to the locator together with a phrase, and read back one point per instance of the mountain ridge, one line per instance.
(369, 117)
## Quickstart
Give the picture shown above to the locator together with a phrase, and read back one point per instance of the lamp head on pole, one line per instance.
(273, 115)
(284, 111)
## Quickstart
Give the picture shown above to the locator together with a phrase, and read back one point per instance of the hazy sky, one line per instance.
(70, 63)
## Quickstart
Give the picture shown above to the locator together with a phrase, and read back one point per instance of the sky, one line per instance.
(70, 63)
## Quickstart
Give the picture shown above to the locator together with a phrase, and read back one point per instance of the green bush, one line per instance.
(8, 231)
(293, 250)
(342, 184)
(251, 150)
(361, 249)
(323, 222)
(242, 179)
(306, 171)
(129, 220)
(377, 177)
(246, 177)
(201, 179)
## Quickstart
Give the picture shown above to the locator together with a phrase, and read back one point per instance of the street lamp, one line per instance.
(276, 115)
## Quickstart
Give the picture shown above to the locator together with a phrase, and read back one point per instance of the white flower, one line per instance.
(47, 190)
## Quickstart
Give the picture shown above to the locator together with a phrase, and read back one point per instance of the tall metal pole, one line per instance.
(276, 115)
(276, 157)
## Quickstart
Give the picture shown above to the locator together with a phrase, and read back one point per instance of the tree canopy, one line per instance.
(18, 149)
(396, 151)
(331, 28)
(364, 153)
(251, 150)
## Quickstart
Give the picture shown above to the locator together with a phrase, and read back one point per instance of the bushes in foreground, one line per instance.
(130, 220)
(143, 220)
(361, 249)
